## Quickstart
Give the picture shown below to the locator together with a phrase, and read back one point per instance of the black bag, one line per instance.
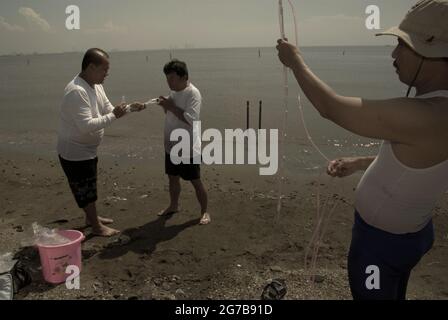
(21, 276)
(275, 290)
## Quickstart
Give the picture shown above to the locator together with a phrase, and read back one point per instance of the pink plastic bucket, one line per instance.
(56, 259)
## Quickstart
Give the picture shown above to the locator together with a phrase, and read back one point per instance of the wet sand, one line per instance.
(234, 257)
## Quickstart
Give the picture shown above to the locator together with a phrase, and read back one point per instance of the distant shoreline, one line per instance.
(19, 54)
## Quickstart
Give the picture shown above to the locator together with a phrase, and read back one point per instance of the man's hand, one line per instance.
(343, 167)
(288, 54)
(120, 110)
(166, 103)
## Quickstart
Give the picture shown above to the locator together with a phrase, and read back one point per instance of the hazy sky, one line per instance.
(39, 25)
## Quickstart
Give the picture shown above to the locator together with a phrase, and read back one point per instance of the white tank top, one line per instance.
(396, 198)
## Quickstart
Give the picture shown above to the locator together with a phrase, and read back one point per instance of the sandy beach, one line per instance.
(234, 257)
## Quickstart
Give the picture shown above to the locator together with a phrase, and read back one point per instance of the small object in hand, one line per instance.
(152, 101)
(135, 108)
(132, 108)
(276, 290)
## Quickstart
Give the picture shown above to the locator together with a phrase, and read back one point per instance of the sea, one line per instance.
(230, 80)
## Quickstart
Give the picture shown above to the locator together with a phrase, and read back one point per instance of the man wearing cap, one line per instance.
(393, 226)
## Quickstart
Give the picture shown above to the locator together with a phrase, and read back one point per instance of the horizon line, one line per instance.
(114, 50)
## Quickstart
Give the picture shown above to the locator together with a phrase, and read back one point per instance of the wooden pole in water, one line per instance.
(247, 114)
(259, 114)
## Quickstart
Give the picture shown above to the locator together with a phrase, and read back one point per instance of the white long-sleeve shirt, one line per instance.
(85, 112)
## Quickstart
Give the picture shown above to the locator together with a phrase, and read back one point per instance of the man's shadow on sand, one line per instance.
(144, 239)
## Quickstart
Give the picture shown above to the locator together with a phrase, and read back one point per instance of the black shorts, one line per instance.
(187, 172)
(81, 177)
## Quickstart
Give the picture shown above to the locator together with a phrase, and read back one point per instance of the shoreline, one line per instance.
(27, 55)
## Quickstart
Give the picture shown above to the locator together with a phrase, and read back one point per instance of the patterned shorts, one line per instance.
(81, 177)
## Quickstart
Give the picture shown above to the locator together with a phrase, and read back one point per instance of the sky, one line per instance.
(39, 26)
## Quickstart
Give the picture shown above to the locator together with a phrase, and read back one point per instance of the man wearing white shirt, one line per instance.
(85, 112)
(182, 110)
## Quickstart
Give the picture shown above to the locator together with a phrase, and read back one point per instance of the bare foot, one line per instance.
(101, 220)
(168, 211)
(205, 219)
(104, 231)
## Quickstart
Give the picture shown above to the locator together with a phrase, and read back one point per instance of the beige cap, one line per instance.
(425, 28)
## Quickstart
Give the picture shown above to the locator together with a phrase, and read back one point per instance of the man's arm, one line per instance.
(193, 109)
(346, 166)
(365, 162)
(168, 105)
(401, 120)
(108, 107)
(80, 111)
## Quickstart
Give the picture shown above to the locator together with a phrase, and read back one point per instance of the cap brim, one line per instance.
(435, 49)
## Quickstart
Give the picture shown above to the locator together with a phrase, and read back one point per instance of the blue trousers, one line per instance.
(380, 263)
